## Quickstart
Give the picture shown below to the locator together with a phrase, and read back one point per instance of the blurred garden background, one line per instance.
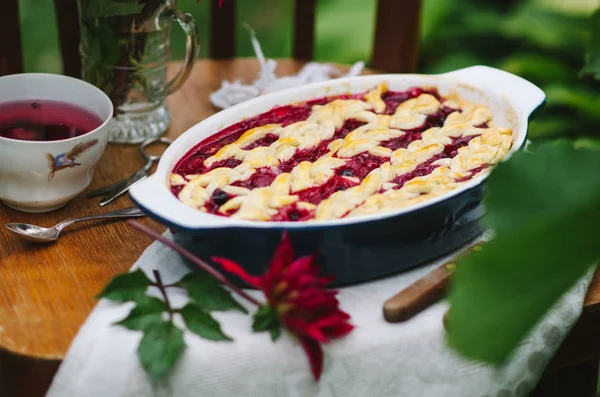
(542, 40)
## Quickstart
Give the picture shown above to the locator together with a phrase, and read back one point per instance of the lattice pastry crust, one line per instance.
(377, 191)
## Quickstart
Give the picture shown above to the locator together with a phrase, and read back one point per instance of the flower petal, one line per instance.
(339, 330)
(283, 256)
(335, 326)
(304, 264)
(314, 353)
(315, 333)
(234, 268)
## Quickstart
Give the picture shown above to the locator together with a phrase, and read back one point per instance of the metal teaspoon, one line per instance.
(37, 234)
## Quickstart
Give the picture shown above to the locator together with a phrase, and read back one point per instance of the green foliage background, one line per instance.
(541, 40)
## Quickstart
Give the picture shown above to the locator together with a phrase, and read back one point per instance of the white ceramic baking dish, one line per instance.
(414, 234)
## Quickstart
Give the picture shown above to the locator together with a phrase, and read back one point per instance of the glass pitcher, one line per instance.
(125, 50)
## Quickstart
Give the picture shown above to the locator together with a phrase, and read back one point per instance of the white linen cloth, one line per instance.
(232, 93)
(376, 359)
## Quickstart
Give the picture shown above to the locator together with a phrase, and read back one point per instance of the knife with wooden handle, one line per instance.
(424, 292)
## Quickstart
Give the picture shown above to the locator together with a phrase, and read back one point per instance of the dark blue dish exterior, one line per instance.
(357, 252)
(352, 253)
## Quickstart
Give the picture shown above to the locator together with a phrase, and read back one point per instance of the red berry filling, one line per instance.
(360, 165)
(473, 172)
(347, 176)
(291, 213)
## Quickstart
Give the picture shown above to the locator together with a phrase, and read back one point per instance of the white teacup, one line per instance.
(42, 176)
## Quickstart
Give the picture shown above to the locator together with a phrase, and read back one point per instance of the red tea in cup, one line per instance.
(44, 120)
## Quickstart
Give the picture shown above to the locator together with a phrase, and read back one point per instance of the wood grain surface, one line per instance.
(305, 15)
(46, 292)
(11, 56)
(67, 18)
(424, 292)
(395, 43)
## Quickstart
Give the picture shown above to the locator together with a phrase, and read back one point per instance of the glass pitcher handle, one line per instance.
(192, 46)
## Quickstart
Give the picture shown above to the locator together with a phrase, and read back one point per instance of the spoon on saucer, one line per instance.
(38, 234)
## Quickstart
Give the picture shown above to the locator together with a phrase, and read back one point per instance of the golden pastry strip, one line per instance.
(377, 191)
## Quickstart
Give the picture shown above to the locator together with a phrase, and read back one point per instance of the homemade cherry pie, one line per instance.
(341, 156)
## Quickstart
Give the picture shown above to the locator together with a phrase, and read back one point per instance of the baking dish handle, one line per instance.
(153, 197)
(525, 96)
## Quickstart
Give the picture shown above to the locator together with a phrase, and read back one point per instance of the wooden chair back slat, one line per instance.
(222, 30)
(11, 57)
(304, 29)
(68, 32)
(395, 47)
(396, 44)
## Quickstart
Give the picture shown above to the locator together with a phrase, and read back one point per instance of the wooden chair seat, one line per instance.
(47, 293)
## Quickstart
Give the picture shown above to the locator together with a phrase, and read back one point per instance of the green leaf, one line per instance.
(267, 319)
(454, 61)
(545, 28)
(208, 293)
(202, 324)
(127, 287)
(545, 208)
(332, 33)
(434, 15)
(147, 311)
(160, 348)
(109, 8)
(530, 188)
(587, 143)
(592, 65)
(540, 68)
(550, 126)
(480, 21)
(455, 24)
(585, 101)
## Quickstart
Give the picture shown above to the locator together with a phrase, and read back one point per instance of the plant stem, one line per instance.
(195, 260)
(163, 291)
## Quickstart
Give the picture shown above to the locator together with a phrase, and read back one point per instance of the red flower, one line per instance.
(297, 293)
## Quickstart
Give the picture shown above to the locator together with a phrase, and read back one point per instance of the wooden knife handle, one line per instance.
(418, 296)
(424, 292)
